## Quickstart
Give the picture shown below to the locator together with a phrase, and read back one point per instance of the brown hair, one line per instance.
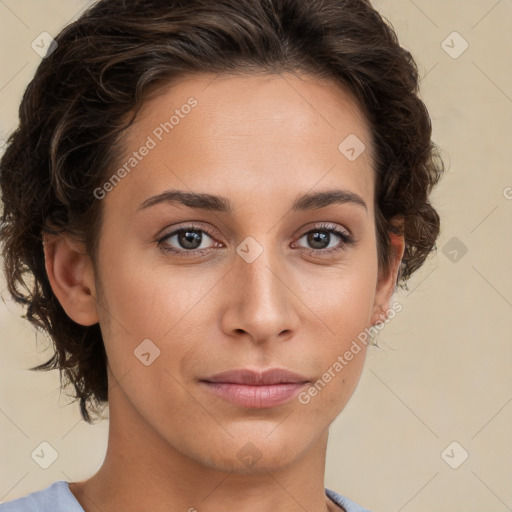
(90, 88)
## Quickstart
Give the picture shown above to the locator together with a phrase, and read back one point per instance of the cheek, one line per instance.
(148, 299)
(343, 303)
(343, 298)
(136, 289)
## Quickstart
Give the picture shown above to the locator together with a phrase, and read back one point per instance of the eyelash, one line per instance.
(346, 240)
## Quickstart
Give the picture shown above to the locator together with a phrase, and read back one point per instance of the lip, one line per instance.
(257, 377)
(256, 389)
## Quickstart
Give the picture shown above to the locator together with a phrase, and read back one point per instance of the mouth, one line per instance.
(256, 389)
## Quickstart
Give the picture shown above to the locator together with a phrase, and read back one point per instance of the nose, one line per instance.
(262, 303)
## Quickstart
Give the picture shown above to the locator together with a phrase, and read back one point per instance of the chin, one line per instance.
(253, 455)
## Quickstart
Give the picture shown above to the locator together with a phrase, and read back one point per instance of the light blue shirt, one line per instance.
(57, 497)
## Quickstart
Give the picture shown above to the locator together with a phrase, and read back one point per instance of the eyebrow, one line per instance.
(204, 201)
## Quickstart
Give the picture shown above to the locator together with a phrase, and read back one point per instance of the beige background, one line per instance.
(442, 372)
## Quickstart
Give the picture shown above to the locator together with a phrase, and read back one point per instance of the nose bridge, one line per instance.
(263, 307)
(258, 270)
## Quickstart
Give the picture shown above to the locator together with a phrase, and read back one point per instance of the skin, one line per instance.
(260, 141)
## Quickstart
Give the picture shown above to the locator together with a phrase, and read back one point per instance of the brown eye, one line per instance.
(185, 241)
(188, 239)
(327, 238)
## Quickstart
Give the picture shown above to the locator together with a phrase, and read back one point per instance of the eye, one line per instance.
(321, 239)
(192, 240)
(188, 240)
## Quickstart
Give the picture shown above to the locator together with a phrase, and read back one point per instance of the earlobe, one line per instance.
(71, 275)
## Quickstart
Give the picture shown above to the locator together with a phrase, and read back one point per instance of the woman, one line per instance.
(216, 200)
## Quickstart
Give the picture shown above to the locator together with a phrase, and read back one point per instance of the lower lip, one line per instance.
(255, 397)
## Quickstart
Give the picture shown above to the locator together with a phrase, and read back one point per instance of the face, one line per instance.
(192, 287)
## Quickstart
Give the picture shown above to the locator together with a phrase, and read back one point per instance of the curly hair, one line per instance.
(88, 91)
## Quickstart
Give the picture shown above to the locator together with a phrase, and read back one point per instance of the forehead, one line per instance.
(246, 134)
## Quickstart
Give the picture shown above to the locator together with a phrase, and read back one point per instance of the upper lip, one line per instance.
(257, 377)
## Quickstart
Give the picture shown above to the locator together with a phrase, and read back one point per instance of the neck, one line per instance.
(142, 471)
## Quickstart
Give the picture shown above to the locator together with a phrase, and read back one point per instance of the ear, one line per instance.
(387, 282)
(71, 275)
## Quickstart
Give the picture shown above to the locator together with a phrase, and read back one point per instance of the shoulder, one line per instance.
(342, 501)
(56, 497)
